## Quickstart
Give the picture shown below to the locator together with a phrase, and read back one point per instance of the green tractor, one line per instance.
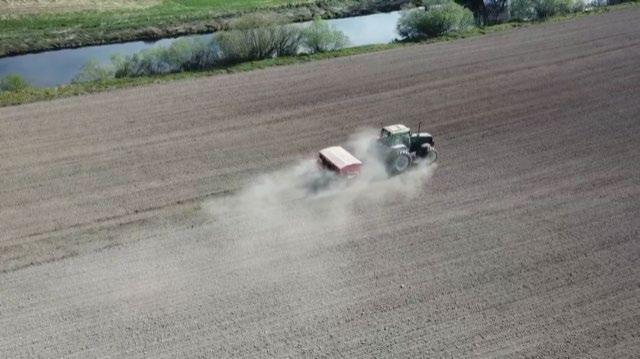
(399, 148)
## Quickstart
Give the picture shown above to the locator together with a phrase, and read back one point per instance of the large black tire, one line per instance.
(432, 156)
(399, 163)
(427, 153)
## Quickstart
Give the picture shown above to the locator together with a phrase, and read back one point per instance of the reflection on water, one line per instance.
(370, 29)
(58, 67)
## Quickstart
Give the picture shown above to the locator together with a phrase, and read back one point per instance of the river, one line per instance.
(58, 67)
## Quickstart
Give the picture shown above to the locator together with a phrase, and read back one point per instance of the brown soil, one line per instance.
(525, 243)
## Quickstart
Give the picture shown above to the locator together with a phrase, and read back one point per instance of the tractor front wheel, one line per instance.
(432, 156)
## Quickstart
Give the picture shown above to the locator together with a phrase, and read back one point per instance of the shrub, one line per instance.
(252, 37)
(244, 45)
(547, 8)
(287, 40)
(438, 20)
(526, 10)
(94, 71)
(13, 83)
(579, 6)
(155, 60)
(258, 36)
(410, 24)
(321, 37)
(181, 55)
(431, 4)
(204, 55)
(522, 10)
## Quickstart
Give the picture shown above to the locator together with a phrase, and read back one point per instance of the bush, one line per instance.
(579, 6)
(547, 8)
(156, 60)
(431, 4)
(203, 55)
(249, 40)
(522, 10)
(321, 37)
(94, 71)
(256, 37)
(287, 40)
(181, 55)
(253, 37)
(13, 83)
(410, 24)
(438, 20)
(526, 10)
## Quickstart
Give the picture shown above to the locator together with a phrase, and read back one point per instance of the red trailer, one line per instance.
(340, 161)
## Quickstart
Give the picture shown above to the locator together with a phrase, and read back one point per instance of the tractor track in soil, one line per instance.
(524, 243)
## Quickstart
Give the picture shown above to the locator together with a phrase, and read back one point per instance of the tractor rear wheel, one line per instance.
(399, 163)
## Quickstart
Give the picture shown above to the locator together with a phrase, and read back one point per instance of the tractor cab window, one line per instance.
(386, 137)
(405, 139)
(390, 139)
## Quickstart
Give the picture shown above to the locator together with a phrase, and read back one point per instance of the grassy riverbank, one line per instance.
(31, 25)
(32, 94)
(26, 95)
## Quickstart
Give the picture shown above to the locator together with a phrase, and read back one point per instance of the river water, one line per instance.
(52, 68)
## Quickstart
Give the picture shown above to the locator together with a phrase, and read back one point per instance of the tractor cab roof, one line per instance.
(396, 129)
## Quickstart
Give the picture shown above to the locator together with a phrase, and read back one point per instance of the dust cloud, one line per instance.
(289, 204)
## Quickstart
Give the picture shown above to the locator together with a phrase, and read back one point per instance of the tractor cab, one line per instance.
(398, 147)
(395, 135)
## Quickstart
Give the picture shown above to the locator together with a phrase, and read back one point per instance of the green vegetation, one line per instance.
(528, 10)
(98, 82)
(32, 94)
(522, 10)
(439, 17)
(13, 83)
(254, 37)
(25, 32)
(548, 8)
(94, 71)
(181, 55)
(320, 37)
